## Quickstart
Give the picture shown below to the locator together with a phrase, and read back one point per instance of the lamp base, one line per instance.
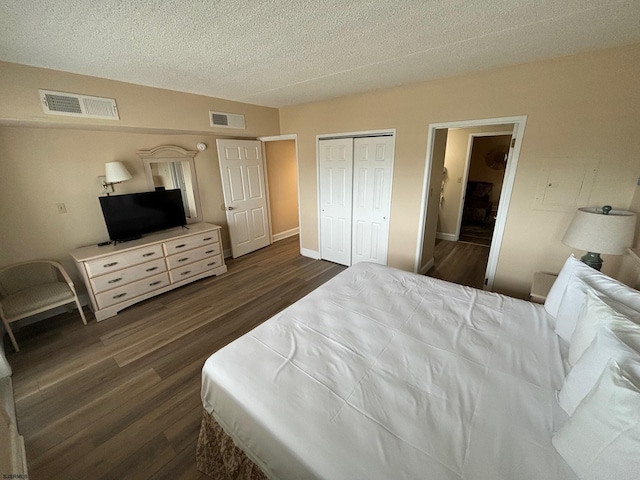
(593, 260)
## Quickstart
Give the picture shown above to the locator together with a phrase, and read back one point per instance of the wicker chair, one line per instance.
(32, 287)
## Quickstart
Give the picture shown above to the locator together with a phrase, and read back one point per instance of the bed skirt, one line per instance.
(218, 456)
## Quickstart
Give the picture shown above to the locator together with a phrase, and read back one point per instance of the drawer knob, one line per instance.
(106, 265)
(115, 280)
(186, 273)
(212, 264)
(209, 251)
(183, 259)
(158, 282)
(208, 238)
(181, 245)
(151, 269)
(120, 295)
(149, 254)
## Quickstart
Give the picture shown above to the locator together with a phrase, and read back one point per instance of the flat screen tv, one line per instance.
(131, 216)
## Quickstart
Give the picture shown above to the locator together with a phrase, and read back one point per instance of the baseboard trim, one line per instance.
(427, 266)
(286, 234)
(305, 252)
(447, 236)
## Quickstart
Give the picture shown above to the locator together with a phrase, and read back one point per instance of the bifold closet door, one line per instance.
(355, 199)
(372, 176)
(336, 191)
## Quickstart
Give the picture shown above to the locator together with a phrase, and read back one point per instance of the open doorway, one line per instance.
(438, 179)
(486, 164)
(281, 167)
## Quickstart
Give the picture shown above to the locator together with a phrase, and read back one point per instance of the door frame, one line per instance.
(519, 123)
(465, 174)
(328, 136)
(278, 138)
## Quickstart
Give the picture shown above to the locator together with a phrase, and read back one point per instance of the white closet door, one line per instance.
(372, 179)
(336, 190)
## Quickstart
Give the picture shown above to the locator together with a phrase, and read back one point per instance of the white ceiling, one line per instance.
(287, 52)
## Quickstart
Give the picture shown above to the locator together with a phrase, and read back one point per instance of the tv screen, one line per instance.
(131, 216)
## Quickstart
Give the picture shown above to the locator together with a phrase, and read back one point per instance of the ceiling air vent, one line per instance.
(226, 120)
(70, 104)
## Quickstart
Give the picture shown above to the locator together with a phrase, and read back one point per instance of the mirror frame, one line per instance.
(173, 153)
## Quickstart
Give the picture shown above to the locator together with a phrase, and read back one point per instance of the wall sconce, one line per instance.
(601, 230)
(115, 172)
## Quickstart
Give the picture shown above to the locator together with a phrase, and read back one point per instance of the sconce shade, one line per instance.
(116, 172)
(592, 231)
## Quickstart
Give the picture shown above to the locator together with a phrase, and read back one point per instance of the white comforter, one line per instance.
(384, 374)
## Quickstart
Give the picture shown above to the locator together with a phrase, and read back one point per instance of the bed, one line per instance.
(382, 374)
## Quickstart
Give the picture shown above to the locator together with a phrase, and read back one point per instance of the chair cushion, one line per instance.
(28, 301)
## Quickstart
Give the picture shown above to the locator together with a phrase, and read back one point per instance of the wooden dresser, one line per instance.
(117, 276)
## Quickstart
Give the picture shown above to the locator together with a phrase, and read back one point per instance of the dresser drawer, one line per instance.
(132, 290)
(127, 275)
(182, 273)
(190, 256)
(118, 261)
(192, 241)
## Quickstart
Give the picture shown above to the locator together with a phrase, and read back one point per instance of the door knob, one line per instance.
(229, 208)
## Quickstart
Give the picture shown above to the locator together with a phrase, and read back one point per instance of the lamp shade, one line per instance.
(116, 172)
(593, 231)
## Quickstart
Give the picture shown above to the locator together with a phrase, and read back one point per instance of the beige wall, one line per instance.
(45, 160)
(141, 108)
(282, 175)
(579, 106)
(42, 167)
(630, 268)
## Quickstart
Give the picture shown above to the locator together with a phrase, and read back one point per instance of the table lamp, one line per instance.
(600, 230)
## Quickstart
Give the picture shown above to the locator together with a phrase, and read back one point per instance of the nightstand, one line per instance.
(542, 283)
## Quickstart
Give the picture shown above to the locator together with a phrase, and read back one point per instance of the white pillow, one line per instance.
(616, 339)
(574, 294)
(602, 439)
(571, 305)
(612, 288)
(597, 309)
(554, 297)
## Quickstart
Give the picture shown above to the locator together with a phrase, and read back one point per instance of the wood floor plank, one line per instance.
(460, 262)
(114, 395)
(124, 444)
(42, 408)
(151, 457)
(53, 463)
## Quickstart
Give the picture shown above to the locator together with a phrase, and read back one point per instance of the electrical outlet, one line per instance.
(62, 208)
(459, 180)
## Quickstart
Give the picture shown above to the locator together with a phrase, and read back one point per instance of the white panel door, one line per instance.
(336, 181)
(245, 197)
(372, 179)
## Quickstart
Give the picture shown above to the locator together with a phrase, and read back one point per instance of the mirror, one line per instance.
(168, 167)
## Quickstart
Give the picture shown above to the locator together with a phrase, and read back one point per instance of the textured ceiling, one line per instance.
(280, 53)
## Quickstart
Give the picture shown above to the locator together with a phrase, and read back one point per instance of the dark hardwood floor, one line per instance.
(460, 262)
(120, 398)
